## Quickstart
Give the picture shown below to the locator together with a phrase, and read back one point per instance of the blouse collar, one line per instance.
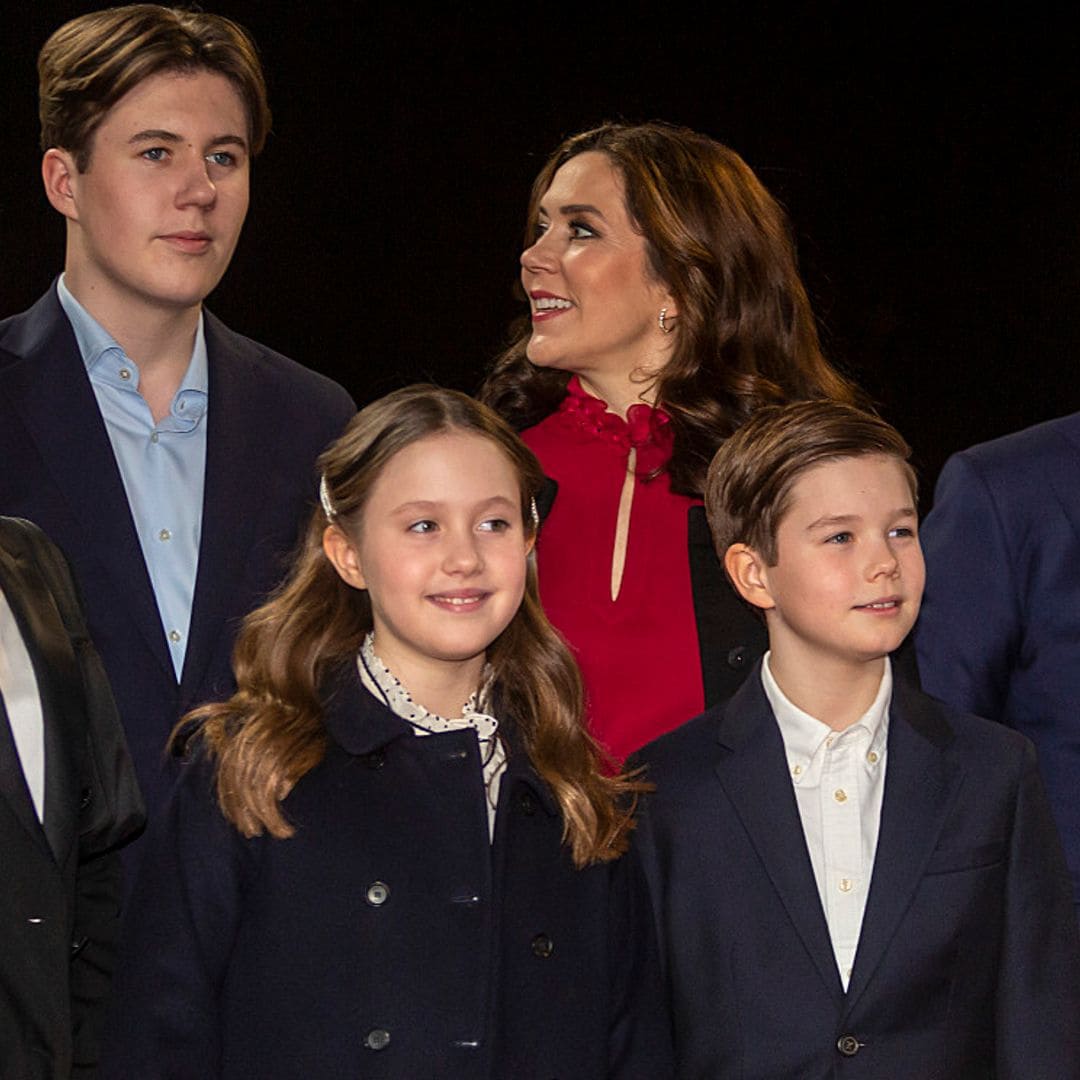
(645, 429)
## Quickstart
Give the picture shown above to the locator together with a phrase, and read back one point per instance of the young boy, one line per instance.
(849, 878)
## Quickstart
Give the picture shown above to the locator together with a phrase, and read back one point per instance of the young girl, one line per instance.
(392, 852)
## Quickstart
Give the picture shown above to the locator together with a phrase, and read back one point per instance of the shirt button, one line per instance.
(164, 535)
(377, 1039)
(848, 1045)
(378, 893)
(174, 636)
(796, 770)
(872, 757)
(845, 884)
(542, 946)
(840, 795)
(124, 374)
(155, 437)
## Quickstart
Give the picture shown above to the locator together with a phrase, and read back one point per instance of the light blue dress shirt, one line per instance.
(163, 465)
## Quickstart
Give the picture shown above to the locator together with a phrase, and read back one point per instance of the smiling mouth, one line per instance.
(891, 604)
(460, 601)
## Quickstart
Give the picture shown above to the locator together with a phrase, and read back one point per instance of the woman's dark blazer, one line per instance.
(387, 937)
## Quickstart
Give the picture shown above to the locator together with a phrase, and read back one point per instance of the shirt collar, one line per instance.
(95, 341)
(804, 735)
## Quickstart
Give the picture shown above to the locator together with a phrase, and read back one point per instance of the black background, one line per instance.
(930, 165)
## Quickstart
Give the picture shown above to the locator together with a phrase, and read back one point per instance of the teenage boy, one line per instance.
(170, 458)
(850, 879)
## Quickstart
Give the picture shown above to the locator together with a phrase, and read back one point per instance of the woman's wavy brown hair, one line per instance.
(270, 732)
(745, 334)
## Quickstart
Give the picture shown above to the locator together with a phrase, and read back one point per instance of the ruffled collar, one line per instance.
(645, 429)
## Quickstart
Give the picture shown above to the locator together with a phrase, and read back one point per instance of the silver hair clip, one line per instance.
(534, 512)
(324, 498)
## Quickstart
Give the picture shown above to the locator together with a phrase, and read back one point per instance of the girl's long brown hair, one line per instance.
(745, 334)
(270, 732)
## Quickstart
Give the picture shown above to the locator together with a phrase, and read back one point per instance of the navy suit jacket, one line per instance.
(60, 890)
(999, 633)
(968, 963)
(268, 419)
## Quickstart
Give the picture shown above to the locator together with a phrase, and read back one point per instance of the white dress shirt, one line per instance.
(18, 684)
(839, 780)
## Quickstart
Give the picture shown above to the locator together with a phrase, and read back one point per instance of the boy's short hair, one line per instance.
(91, 62)
(748, 487)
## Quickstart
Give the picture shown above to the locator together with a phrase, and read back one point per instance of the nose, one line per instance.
(539, 256)
(462, 554)
(196, 188)
(883, 561)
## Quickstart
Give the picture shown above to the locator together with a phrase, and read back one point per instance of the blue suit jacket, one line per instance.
(268, 419)
(968, 963)
(999, 633)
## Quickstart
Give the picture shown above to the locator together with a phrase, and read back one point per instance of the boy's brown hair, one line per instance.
(748, 487)
(91, 62)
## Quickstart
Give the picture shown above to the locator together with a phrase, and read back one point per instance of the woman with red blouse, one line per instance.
(665, 307)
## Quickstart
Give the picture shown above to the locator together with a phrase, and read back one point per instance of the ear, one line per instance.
(343, 556)
(530, 544)
(749, 575)
(60, 177)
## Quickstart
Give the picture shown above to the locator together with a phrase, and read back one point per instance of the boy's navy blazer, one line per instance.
(268, 418)
(968, 963)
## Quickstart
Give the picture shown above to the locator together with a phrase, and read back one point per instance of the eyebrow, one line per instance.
(576, 208)
(160, 135)
(417, 506)
(834, 520)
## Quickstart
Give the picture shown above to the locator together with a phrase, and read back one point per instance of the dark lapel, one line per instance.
(752, 767)
(240, 438)
(51, 393)
(1063, 469)
(58, 679)
(921, 784)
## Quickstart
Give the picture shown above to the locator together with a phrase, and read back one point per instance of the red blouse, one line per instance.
(638, 653)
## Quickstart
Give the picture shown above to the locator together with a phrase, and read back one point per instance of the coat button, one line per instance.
(375, 760)
(527, 804)
(86, 797)
(542, 946)
(737, 657)
(848, 1045)
(377, 1039)
(378, 892)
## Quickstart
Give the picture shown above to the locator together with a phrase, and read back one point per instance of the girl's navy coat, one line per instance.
(387, 937)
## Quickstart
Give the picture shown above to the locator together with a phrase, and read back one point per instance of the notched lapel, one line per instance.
(921, 785)
(57, 673)
(753, 771)
(51, 394)
(239, 443)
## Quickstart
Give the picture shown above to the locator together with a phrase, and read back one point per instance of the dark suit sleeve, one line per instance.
(970, 626)
(178, 936)
(110, 813)
(1038, 999)
(640, 1040)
